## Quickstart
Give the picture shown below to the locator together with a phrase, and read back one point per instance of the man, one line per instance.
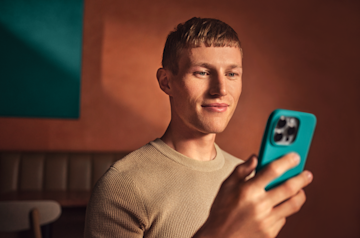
(183, 184)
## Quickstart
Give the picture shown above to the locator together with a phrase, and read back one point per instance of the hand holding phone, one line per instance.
(286, 131)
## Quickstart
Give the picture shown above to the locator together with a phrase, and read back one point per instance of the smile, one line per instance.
(216, 107)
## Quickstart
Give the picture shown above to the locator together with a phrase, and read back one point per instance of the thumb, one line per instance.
(245, 169)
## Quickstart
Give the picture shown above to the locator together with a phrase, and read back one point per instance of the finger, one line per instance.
(245, 169)
(290, 187)
(240, 173)
(290, 206)
(276, 169)
(275, 229)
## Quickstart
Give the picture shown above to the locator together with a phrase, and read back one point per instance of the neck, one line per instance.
(193, 144)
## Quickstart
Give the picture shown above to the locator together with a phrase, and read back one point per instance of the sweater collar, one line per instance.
(205, 166)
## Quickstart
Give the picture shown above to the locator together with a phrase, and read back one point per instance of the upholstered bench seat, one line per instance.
(66, 177)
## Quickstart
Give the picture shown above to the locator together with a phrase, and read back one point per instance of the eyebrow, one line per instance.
(235, 66)
(209, 66)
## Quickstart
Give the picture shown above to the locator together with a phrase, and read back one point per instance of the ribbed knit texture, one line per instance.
(156, 192)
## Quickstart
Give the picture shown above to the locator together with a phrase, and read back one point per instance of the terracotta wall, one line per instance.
(300, 55)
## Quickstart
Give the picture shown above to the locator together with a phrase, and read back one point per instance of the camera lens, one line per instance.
(291, 131)
(278, 137)
(281, 123)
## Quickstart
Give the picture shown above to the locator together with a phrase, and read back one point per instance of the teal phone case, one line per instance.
(270, 150)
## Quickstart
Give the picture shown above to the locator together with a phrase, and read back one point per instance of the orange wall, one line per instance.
(301, 55)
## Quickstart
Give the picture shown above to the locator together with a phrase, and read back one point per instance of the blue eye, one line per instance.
(201, 73)
(231, 74)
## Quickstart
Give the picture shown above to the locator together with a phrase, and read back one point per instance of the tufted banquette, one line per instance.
(66, 177)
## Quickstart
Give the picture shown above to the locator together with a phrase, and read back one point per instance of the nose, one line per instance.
(218, 85)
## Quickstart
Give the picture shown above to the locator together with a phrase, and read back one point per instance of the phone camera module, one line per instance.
(291, 131)
(285, 130)
(282, 122)
(278, 137)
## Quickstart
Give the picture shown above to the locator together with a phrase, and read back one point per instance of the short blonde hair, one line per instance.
(194, 32)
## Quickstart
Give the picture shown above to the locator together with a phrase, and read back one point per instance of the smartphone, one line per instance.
(286, 131)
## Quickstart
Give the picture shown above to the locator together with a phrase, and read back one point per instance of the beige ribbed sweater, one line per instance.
(156, 192)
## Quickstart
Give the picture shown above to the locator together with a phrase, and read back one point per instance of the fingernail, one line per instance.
(309, 175)
(253, 156)
(296, 158)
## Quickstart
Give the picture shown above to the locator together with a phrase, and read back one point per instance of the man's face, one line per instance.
(205, 92)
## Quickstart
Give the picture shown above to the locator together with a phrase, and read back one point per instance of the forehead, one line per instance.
(215, 56)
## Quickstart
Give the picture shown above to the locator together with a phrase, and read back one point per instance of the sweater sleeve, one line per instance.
(115, 208)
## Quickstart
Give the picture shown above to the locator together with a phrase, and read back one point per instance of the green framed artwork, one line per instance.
(40, 58)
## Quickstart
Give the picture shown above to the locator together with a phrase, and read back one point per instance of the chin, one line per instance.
(209, 125)
(213, 129)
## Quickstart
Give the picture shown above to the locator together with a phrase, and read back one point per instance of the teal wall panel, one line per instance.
(40, 58)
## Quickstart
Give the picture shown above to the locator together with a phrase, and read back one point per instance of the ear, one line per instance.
(163, 76)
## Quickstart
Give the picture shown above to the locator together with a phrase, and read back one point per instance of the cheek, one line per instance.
(184, 97)
(193, 91)
(235, 90)
(239, 91)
